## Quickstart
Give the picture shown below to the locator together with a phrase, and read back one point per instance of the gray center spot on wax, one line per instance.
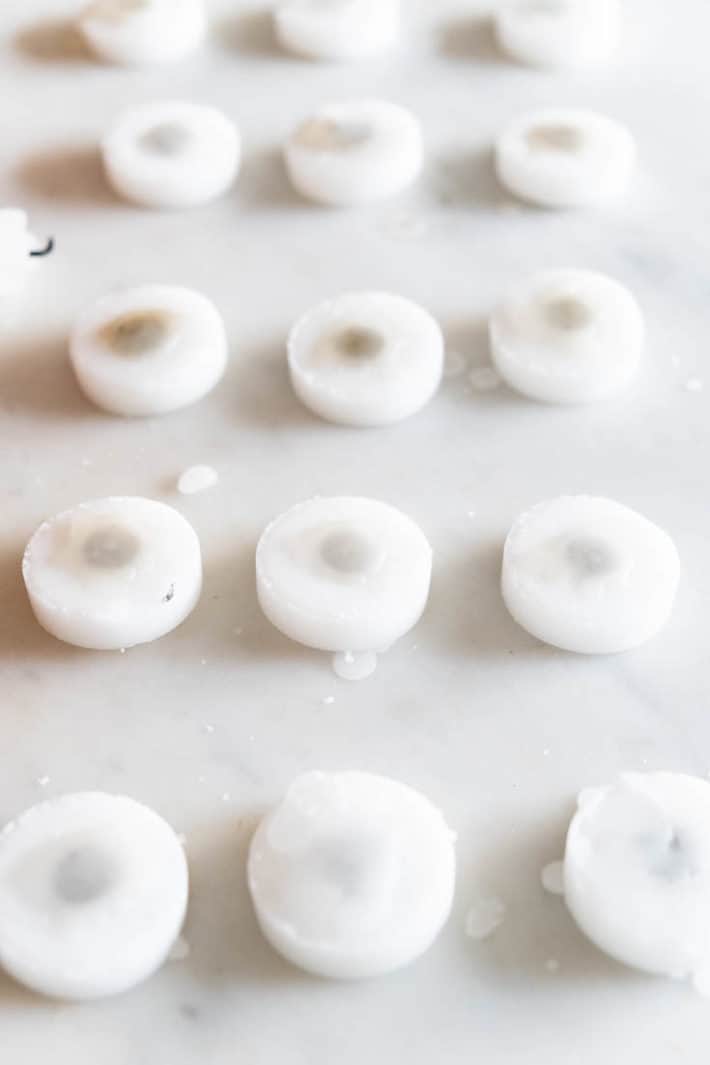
(346, 864)
(330, 135)
(568, 313)
(111, 547)
(347, 551)
(565, 140)
(83, 875)
(670, 859)
(590, 557)
(137, 332)
(357, 342)
(167, 138)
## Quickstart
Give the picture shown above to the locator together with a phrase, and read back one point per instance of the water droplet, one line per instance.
(483, 917)
(693, 384)
(552, 965)
(552, 877)
(349, 665)
(329, 700)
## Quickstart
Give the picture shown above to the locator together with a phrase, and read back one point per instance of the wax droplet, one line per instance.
(552, 877)
(483, 917)
(351, 666)
(197, 479)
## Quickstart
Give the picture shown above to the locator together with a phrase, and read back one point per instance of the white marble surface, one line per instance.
(209, 724)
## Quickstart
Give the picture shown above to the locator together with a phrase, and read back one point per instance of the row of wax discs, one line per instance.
(173, 154)
(352, 875)
(350, 574)
(546, 33)
(362, 358)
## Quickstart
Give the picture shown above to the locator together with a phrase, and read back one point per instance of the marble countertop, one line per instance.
(210, 724)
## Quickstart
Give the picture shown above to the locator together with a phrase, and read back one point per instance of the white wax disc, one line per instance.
(113, 572)
(355, 152)
(343, 574)
(559, 33)
(562, 157)
(366, 358)
(352, 875)
(589, 575)
(337, 29)
(93, 892)
(149, 349)
(637, 872)
(171, 154)
(143, 32)
(567, 336)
